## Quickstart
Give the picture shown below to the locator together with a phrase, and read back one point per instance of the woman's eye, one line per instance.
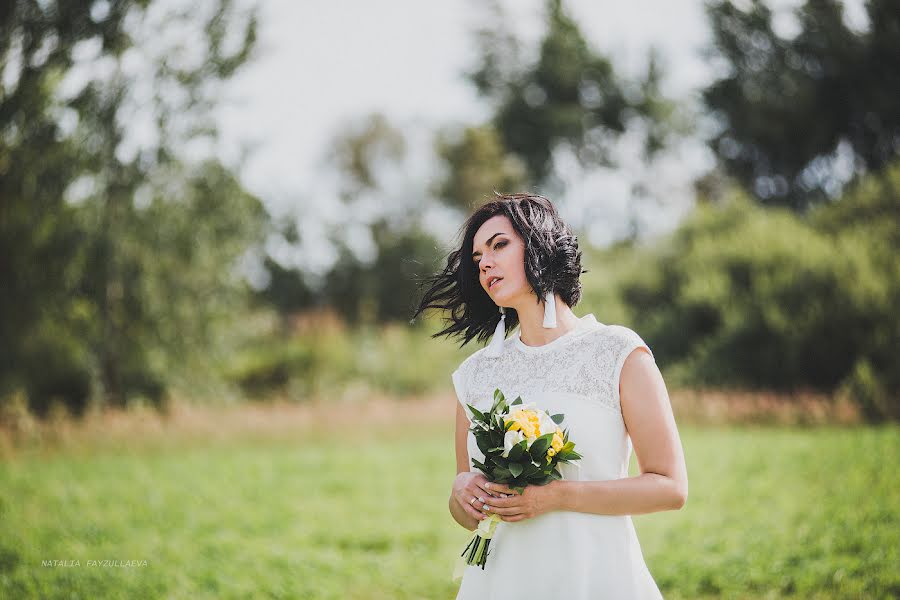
(477, 261)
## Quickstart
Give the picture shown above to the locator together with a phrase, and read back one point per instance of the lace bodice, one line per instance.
(586, 361)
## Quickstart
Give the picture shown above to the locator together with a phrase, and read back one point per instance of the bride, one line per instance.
(519, 265)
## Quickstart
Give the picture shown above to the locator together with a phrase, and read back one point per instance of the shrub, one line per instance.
(747, 296)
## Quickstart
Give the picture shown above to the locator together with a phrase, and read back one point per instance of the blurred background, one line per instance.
(215, 217)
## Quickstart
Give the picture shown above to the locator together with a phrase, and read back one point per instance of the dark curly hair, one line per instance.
(552, 263)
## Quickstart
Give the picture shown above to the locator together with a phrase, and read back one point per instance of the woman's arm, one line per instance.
(462, 431)
(467, 485)
(662, 484)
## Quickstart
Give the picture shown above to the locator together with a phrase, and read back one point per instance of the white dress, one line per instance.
(561, 554)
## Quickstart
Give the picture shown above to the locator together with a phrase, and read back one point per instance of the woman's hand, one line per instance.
(471, 493)
(533, 501)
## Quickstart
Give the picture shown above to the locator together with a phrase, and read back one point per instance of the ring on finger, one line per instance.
(473, 500)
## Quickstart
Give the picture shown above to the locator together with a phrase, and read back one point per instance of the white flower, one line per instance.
(511, 439)
(547, 424)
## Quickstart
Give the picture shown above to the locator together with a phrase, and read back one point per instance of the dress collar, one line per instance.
(585, 324)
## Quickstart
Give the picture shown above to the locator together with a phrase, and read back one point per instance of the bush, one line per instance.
(54, 369)
(761, 298)
(326, 360)
(269, 368)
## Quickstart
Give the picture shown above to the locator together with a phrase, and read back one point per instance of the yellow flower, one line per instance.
(526, 421)
(556, 444)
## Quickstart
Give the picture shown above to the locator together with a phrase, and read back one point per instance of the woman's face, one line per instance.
(499, 253)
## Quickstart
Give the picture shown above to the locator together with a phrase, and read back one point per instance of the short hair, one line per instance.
(552, 264)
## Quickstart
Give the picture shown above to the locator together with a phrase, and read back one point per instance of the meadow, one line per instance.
(352, 504)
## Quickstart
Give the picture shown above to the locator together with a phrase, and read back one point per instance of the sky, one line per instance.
(323, 64)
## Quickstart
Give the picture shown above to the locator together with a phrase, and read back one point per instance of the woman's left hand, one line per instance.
(533, 501)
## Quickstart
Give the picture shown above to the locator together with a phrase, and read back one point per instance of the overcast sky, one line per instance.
(324, 63)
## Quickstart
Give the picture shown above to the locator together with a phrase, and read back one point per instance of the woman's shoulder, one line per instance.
(619, 331)
(623, 338)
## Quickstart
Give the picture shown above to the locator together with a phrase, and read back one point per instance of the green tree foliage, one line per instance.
(364, 289)
(361, 149)
(286, 289)
(116, 257)
(786, 106)
(477, 163)
(746, 296)
(384, 288)
(570, 95)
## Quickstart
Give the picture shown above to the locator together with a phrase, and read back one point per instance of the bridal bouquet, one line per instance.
(522, 445)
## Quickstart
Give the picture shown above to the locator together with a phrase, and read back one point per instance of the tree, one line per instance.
(477, 163)
(791, 110)
(382, 211)
(116, 253)
(743, 295)
(571, 95)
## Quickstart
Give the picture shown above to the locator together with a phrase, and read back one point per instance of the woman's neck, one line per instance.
(531, 323)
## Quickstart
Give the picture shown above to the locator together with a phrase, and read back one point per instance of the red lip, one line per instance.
(490, 286)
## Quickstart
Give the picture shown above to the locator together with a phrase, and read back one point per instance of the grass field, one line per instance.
(773, 512)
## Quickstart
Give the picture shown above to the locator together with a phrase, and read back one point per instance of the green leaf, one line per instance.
(517, 401)
(530, 470)
(480, 466)
(498, 400)
(516, 469)
(477, 414)
(539, 447)
(558, 418)
(516, 452)
(568, 456)
(484, 443)
(501, 473)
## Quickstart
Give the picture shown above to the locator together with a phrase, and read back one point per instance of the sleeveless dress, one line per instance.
(562, 554)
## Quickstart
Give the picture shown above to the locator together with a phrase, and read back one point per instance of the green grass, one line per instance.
(772, 512)
(775, 512)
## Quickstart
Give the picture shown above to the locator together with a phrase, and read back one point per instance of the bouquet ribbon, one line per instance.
(485, 531)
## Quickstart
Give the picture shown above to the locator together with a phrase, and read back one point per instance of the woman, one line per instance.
(573, 538)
